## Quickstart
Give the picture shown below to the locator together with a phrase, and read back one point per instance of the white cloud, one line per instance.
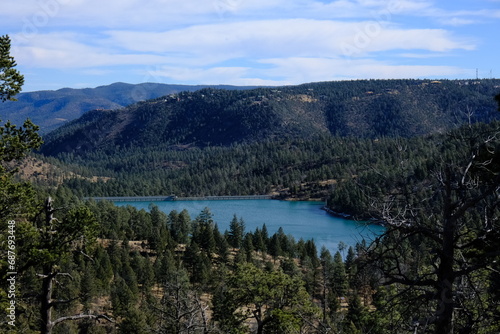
(298, 37)
(109, 13)
(456, 22)
(230, 41)
(296, 70)
(306, 69)
(422, 55)
(163, 14)
(240, 76)
(64, 50)
(214, 44)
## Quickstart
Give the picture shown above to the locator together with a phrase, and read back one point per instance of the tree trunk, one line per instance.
(46, 307)
(445, 272)
(260, 327)
(445, 303)
(48, 276)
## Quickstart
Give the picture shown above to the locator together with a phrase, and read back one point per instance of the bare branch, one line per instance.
(82, 316)
(61, 301)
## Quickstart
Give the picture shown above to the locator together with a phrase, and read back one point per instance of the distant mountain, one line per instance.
(51, 109)
(365, 108)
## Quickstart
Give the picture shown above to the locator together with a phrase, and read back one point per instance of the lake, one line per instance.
(300, 219)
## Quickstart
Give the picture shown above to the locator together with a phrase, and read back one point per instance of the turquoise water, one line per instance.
(303, 220)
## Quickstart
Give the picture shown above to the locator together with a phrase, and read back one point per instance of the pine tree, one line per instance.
(339, 279)
(248, 247)
(236, 232)
(160, 236)
(180, 226)
(11, 81)
(203, 233)
(15, 143)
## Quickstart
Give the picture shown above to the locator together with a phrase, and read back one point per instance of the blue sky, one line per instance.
(88, 43)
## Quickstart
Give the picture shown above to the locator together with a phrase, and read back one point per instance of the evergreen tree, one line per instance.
(339, 279)
(15, 143)
(273, 299)
(222, 246)
(180, 226)
(197, 263)
(329, 299)
(134, 322)
(203, 233)
(160, 235)
(122, 297)
(248, 247)
(236, 232)
(88, 288)
(274, 246)
(357, 315)
(104, 270)
(224, 308)
(11, 81)
(52, 241)
(259, 242)
(164, 266)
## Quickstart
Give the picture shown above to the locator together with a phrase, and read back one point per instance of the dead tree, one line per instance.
(442, 236)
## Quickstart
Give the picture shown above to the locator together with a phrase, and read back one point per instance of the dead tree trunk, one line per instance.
(48, 278)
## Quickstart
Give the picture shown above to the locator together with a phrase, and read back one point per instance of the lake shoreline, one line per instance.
(301, 219)
(347, 216)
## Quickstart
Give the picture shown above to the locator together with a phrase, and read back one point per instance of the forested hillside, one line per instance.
(421, 157)
(51, 109)
(424, 190)
(301, 142)
(365, 109)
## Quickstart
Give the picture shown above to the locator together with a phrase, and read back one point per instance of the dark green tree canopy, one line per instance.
(11, 80)
(15, 142)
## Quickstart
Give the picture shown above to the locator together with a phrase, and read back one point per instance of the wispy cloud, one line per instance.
(456, 22)
(214, 43)
(247, 41)
(311, 69)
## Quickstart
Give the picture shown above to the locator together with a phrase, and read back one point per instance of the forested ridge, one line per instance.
(144, 271)
(325, 168)
(430, 174)
(50, 109)
(297, 141)
(208, 117)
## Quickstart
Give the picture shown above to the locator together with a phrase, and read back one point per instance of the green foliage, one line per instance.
(17, 199)
(303, 294)
(211, 117)
(438, 247)
(236, 232)
(357, 315)
(50, 108)
(203, 231)
(122, 297)
(339, 277)
(15, 144)
(11, 80)
(134, 322)
(275, 300)
(181, 309)
(184, 271)
(180, 226)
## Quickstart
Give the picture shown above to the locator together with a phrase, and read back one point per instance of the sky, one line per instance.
(89, 43)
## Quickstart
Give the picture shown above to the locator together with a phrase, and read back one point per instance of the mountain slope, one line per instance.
(373, 109)
(51, 109)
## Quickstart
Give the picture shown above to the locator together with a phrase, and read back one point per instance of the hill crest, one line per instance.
(205, 117)
(50, 109)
